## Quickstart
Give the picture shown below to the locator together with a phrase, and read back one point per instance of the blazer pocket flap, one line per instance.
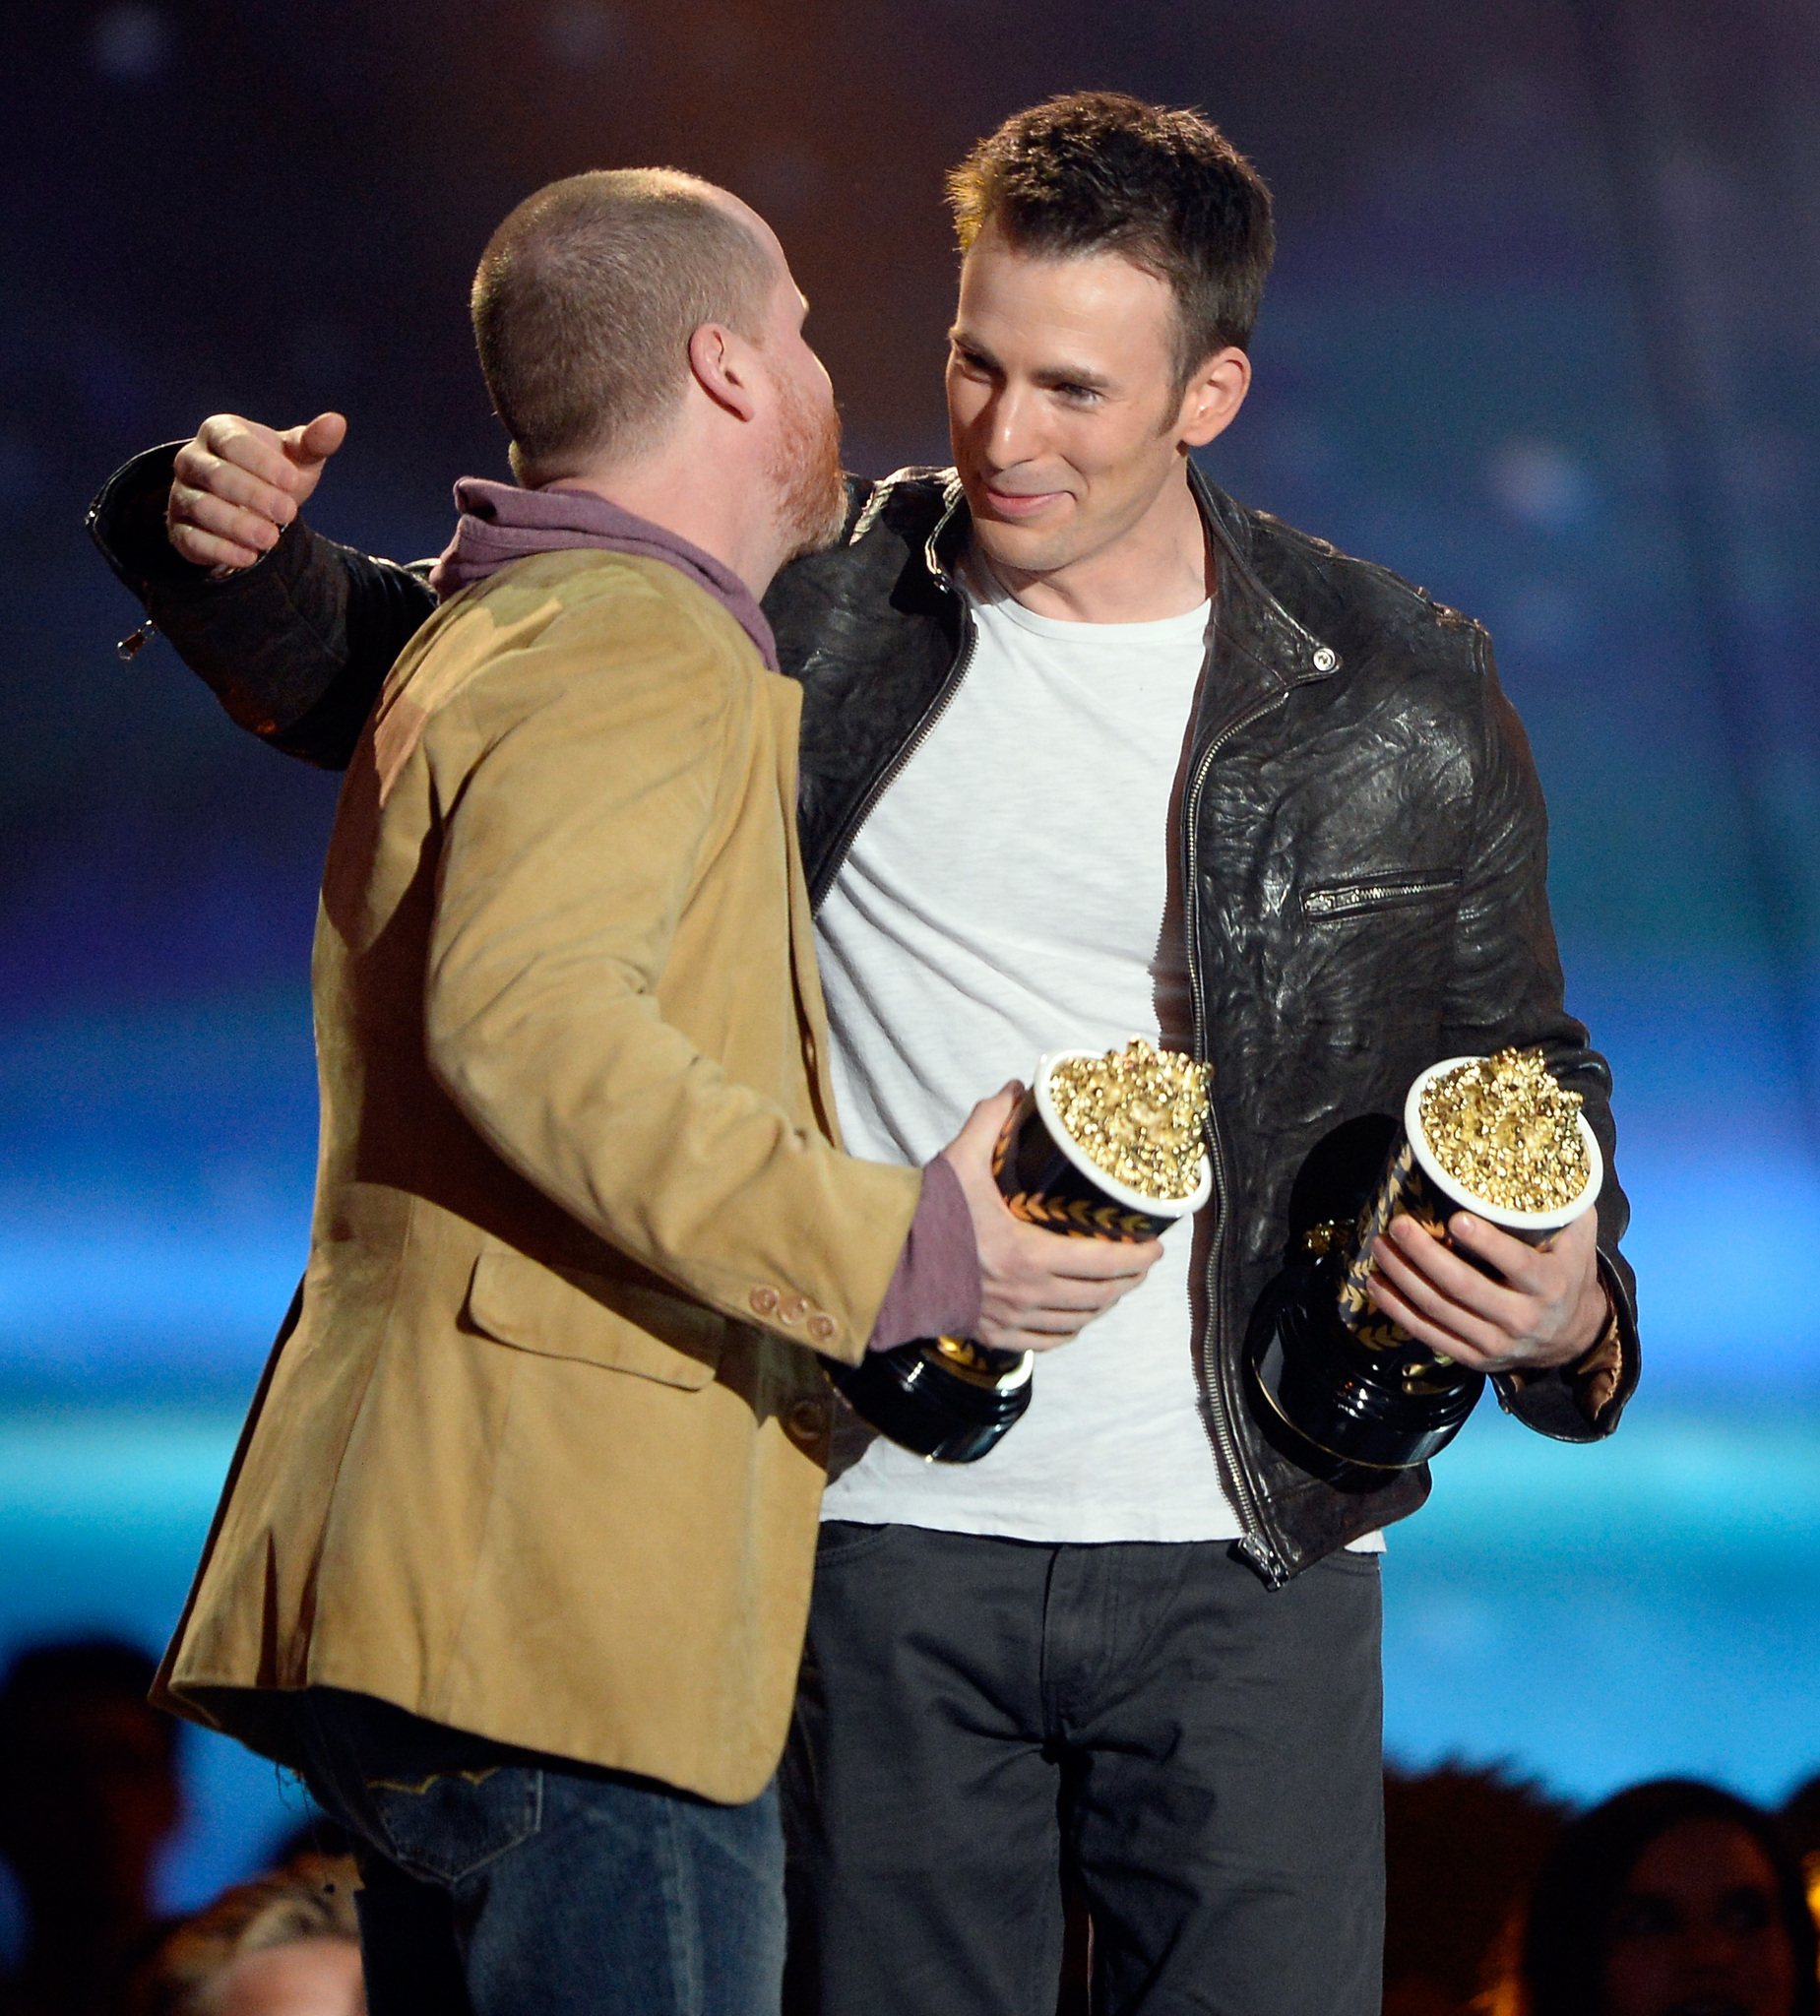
(565, 1313)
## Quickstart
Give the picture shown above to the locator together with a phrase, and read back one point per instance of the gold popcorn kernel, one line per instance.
(1505, 1131)
(1138, 1114)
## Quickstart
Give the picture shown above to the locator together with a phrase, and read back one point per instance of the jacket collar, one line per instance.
(1252, 614)
(1255, 627)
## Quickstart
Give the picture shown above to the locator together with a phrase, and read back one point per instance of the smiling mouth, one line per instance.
(1020, 504)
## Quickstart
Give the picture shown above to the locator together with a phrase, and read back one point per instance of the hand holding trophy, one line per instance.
(1100, 1146)
(1334, 1383)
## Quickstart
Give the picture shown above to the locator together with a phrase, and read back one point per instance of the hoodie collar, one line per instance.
(501, 523)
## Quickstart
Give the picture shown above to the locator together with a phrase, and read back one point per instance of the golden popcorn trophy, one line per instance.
(1098, 1148)
(1336, 1385)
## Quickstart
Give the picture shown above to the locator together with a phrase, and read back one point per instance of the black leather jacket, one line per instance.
(1363, 833)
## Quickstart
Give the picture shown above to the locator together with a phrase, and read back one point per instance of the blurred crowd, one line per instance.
(88, 1796)
(1673, 1898)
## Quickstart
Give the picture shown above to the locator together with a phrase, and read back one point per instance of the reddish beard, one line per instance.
(806, 472)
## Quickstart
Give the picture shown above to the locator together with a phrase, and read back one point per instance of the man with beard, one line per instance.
(1088, 748)
(515, 1554)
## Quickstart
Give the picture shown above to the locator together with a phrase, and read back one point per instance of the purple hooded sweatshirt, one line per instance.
(935, 1288)
(500, 523)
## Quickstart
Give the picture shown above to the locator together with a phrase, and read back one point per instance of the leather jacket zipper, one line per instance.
(1257, 1545)
(1344, 898)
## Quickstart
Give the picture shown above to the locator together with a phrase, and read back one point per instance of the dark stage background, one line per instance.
(1543, 336)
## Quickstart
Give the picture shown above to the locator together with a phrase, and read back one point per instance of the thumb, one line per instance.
(982, 1127)
(310, 446)
(990, 1114)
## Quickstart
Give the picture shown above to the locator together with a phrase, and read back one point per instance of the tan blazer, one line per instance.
(544, 1454)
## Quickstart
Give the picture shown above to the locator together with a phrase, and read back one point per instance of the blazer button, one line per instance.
(763, 1301)
(824, 1329)
(793, 1311)
(807, 1419)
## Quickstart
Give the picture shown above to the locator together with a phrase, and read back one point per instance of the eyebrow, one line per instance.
(1049, 375)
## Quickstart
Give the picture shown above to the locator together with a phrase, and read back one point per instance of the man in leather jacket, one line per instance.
(1357, 889)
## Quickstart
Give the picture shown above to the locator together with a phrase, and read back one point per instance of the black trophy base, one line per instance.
(947, 1399)
(1352, 1416)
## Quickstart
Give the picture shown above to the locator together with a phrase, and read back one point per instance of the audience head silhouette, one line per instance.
(286, 1945)
(87, 1795)
(1671, 1897)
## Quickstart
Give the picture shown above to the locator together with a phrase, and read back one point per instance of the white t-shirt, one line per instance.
(1014, 893)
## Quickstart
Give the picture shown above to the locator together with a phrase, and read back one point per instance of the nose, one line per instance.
(1013, 426)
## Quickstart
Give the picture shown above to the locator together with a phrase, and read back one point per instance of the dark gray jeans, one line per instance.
(979, 1720)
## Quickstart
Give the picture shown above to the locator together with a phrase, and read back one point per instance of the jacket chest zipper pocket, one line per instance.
(1348, 899)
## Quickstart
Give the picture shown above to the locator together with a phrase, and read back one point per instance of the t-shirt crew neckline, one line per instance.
(988, 593)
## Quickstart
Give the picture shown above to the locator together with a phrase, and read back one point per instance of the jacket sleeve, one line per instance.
(1505, 988)
(296, 646)
(587, 792)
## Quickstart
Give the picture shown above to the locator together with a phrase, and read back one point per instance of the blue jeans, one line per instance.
(503, 1883)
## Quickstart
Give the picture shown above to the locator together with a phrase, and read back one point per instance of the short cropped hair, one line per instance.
(584, 302)
(1097, 171)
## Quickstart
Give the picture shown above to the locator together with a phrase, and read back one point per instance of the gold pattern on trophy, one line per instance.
(1403, 1191)
(969, 1361)
(1078, 1219)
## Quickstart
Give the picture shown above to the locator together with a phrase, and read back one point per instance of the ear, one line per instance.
(1214, 397)
(723, 365)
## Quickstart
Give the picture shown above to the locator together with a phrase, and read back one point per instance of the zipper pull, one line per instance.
(129, 648)
(1262, 1560)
